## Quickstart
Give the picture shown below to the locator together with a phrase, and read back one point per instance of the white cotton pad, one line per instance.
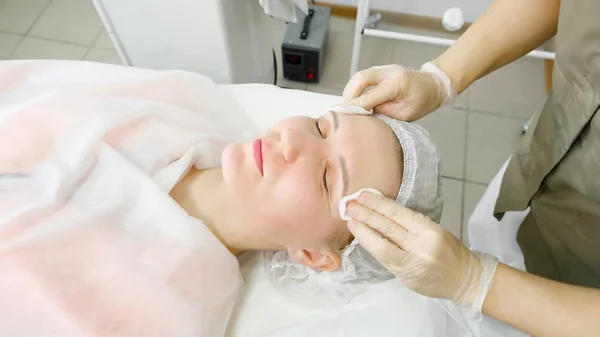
(350, 110)
(345, 200)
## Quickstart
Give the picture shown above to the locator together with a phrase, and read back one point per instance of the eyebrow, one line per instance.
(336, 122)
(344, 176)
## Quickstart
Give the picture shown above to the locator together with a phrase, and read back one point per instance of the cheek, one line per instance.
(295, 213)
(292, 199)
(299, 190)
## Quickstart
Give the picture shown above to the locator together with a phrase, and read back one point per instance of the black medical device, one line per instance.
(303, 46)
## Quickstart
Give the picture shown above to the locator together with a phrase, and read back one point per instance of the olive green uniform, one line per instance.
(556, 168)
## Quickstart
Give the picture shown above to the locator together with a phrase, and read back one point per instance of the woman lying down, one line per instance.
(125, 195)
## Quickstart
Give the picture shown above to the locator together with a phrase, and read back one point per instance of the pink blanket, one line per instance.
(91, 244)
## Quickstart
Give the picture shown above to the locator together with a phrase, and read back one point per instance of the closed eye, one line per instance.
(319, 128)
(325, 180)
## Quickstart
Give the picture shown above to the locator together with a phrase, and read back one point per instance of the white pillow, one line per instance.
(267, 104)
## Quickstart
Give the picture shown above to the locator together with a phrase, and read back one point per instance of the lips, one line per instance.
(257, 152)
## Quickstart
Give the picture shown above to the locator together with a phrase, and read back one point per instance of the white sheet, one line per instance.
(387, 310)
(499, 238)
(91, 244)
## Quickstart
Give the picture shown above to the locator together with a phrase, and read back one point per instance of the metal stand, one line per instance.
(362, 13)
(365, 25)
(526, 127)
(112, 34)
(372, 21)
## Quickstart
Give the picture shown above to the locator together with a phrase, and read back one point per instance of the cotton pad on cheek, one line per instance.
(345, 200)
(351, 110)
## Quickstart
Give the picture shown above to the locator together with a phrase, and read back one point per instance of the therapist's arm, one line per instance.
(507, 30)
(542, 307)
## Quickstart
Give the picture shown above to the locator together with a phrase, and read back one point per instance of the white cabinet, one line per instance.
(227, 40)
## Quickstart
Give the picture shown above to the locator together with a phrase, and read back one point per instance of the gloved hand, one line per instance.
(402, 93)
(424, 256)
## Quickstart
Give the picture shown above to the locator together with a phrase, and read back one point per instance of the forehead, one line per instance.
(372, 152)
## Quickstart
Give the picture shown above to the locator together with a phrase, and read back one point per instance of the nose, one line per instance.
(297, 144)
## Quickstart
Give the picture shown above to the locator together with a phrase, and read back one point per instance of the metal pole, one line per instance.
(439, 41)
(362, 12)
(111, 32)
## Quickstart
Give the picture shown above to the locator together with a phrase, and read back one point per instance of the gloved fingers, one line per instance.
(378, 222)
(397, 110)
(403, 216)
(382, 249)
(374, 97)
(359, 82)
(366, 89)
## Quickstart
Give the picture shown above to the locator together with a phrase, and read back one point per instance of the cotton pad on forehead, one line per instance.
(345, 200)
(351, 110)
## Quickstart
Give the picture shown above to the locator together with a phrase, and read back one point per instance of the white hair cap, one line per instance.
(420, 190)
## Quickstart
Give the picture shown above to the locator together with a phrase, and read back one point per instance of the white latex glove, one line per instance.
(424, 256)
(399, 92)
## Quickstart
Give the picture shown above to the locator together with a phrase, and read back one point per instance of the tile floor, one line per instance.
(475, 136)
(53, 29)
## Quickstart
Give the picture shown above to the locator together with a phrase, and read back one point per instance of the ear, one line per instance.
(322, 260)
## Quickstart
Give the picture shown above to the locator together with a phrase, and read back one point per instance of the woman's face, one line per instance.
(289, 182)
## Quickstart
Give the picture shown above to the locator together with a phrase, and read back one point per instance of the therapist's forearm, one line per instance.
(507, 30)
(543, 307)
